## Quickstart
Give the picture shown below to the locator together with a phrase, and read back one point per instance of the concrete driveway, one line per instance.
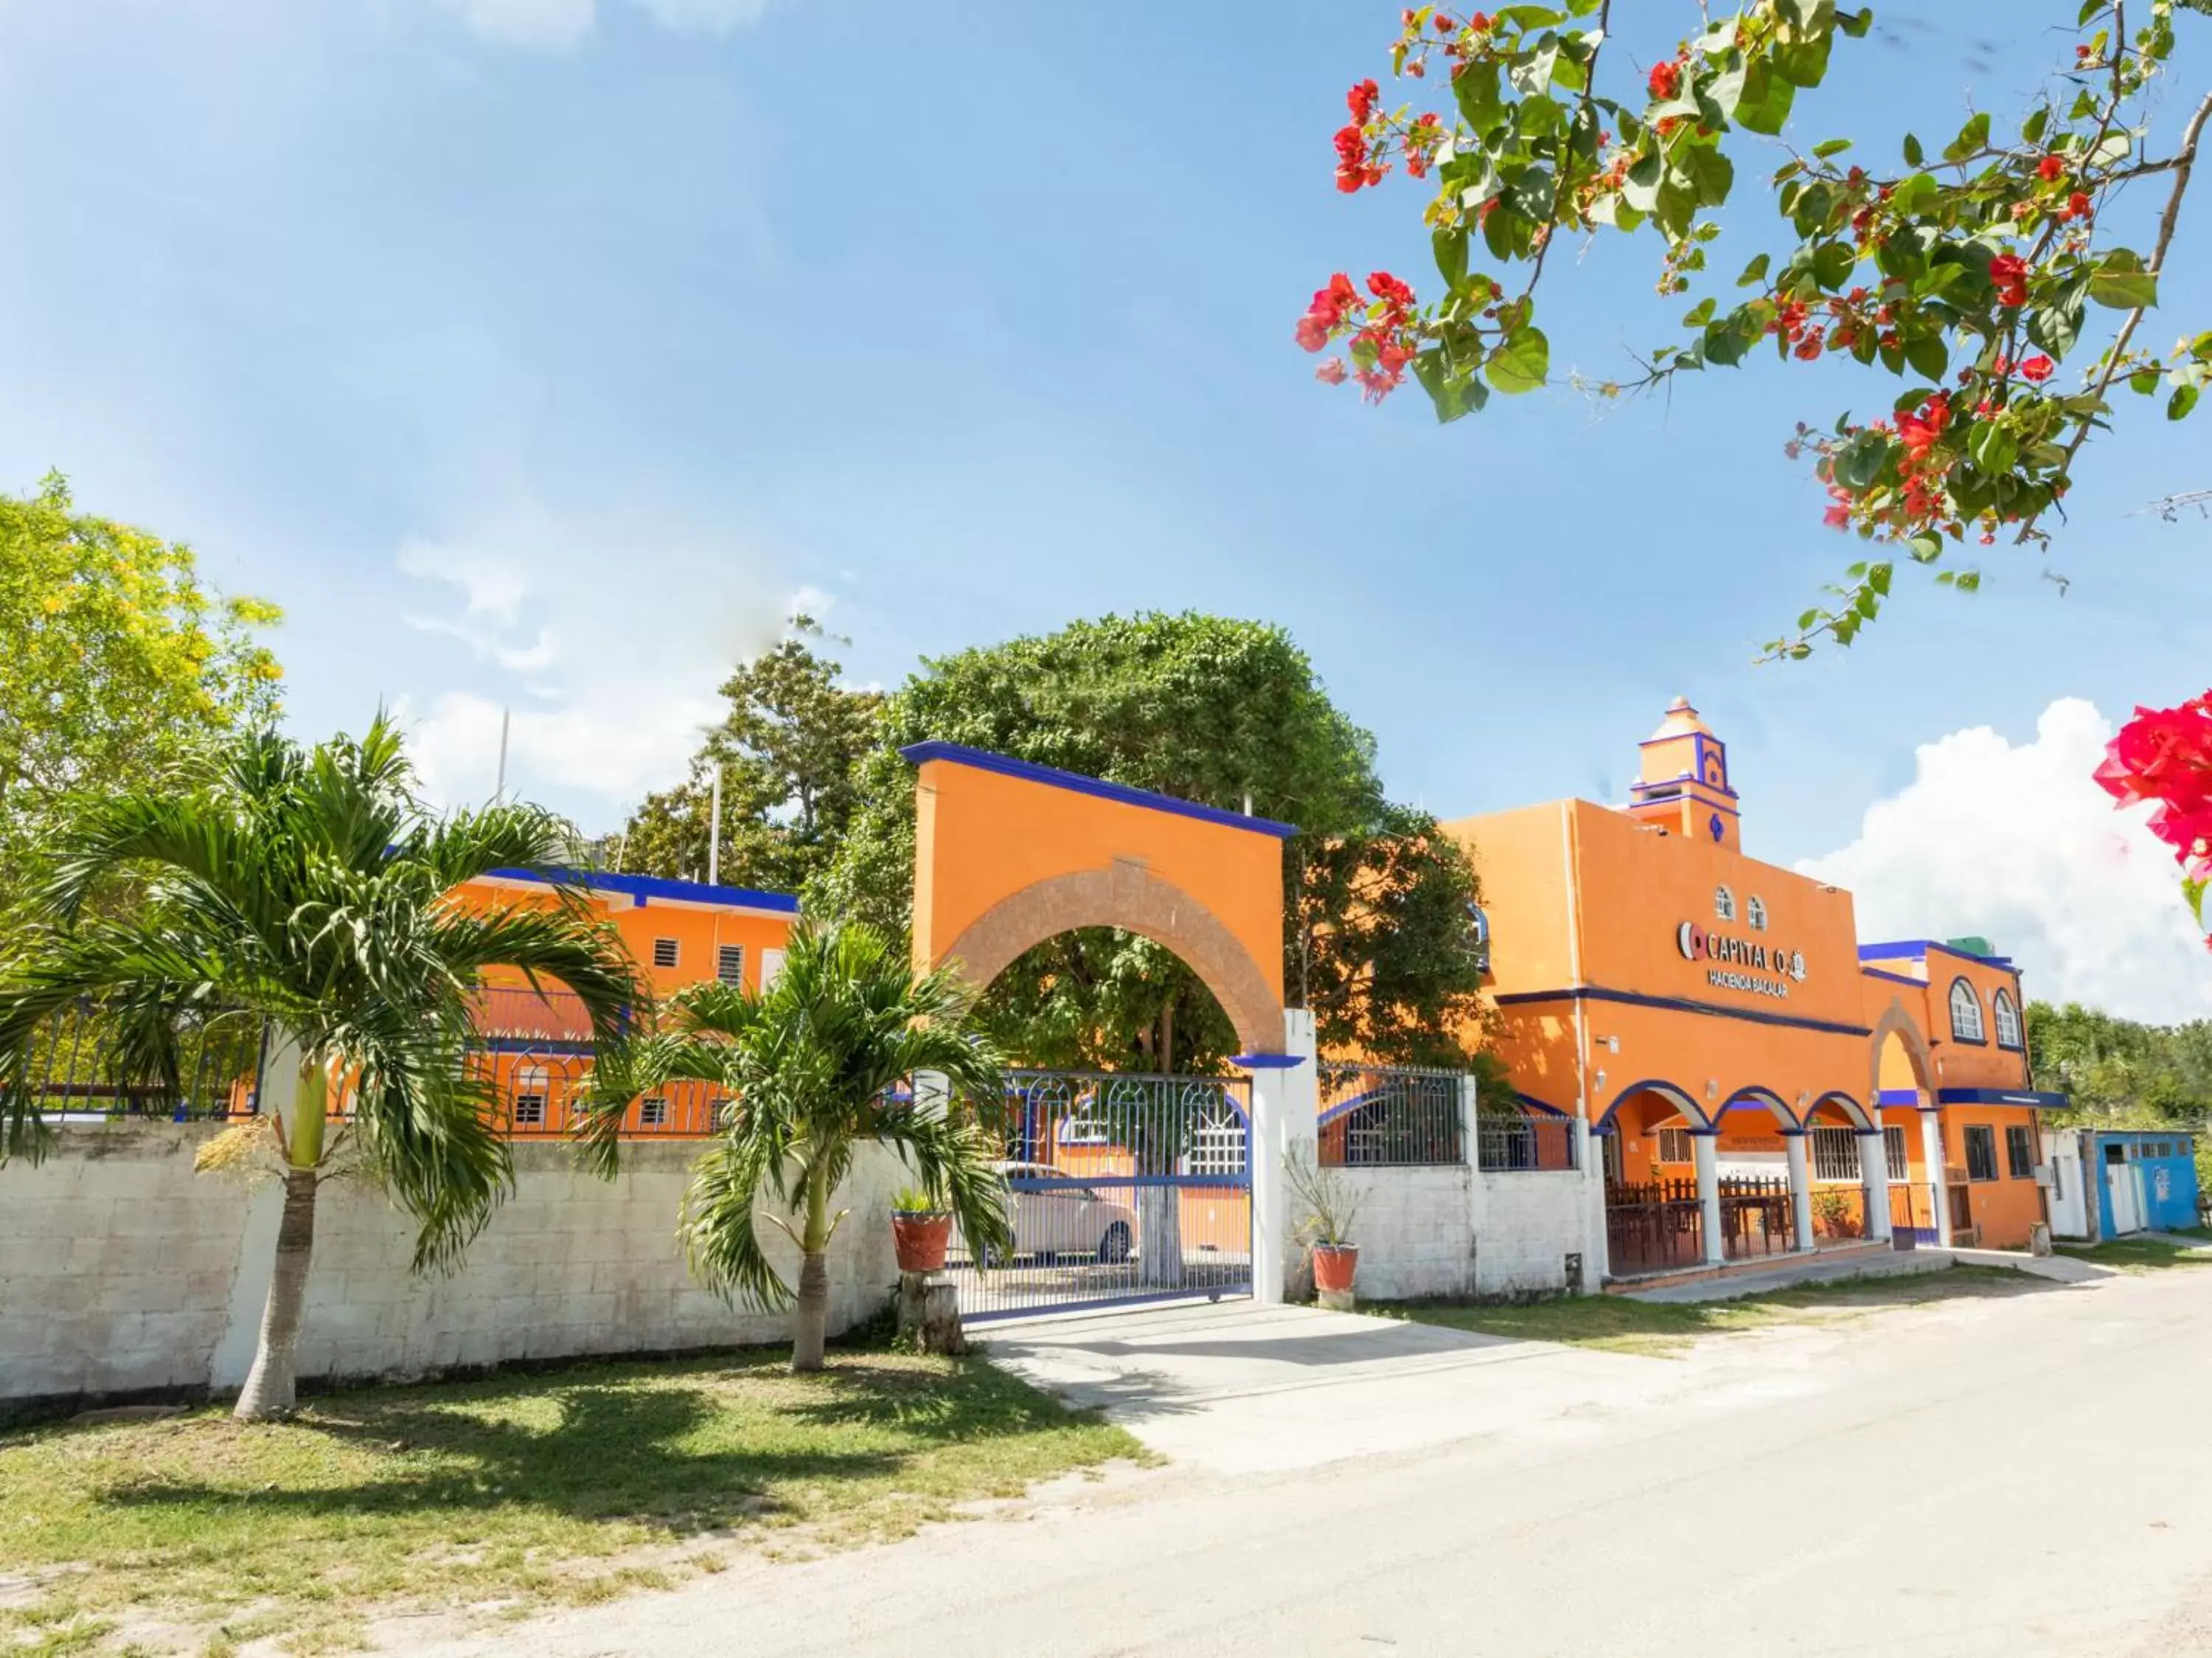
(1239, 1389)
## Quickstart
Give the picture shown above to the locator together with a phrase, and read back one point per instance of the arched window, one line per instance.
(1479, 923)
(2008, 1021)
(1965, 1013)
(1724, 904)
(1754, 912)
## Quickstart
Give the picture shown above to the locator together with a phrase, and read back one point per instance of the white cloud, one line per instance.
(559, 25)
(2016, 843)
(612, 677)
(548, 25)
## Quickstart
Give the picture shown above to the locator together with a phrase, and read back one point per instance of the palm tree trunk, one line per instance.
(271, 1386)
(810, 1327)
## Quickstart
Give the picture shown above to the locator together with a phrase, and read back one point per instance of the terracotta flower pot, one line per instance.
(1334, 1266)
(920, 1240)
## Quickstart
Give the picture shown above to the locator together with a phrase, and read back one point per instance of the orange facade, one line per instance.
(1653, 977)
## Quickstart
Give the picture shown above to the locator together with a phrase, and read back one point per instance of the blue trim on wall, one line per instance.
(1894, 978)
(1897, 1096)
(1007, 765)
(1531, 1102)
(645, 887)
(1268, 1061)
(2002, 1097)
(1765, 1098)
(1655, 794)
(1683, 1004)
(1687, 1104)
(1918, 949)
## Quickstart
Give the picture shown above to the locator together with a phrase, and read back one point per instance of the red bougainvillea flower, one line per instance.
(1918, 431)
(1332, 372)
(1361, 101)
(2037, 369)
(2050, 168)
(1312, 334)
(2009, 272)
(2163, 754)
(1666, 80)
(1331, 304)
(2077, 205)
(1393, 292)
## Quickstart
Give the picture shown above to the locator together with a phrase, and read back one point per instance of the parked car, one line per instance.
(1062, 1220)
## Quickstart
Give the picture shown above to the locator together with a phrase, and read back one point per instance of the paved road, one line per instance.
(2022, 1474)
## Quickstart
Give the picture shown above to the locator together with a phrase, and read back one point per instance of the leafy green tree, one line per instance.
(1973, 271)
(788, 748)
(120, 664)
(2120, 1070)
(809, 1065)
(1229, 714)
(308, 890)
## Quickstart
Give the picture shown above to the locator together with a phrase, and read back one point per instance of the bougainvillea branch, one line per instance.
(1968, 275)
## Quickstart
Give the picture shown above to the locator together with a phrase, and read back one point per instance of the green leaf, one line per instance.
(2183, 400)
(2031, 129)
(1993, 448)
(1860, 461)
(1925, 547)
(1521, 363)
(2193, 890)
(1856, 24)
(1926, 355)
(1974, 136)
(2121, 282)
(1968, 580)
(1878, 578)
(1833, 262)
(1914, 154)
(1450, 246)
(1710, 173)
(1727, 340)
(1765, 104)
(1911, 193)
(1530, 72)
(1828, 147)
(2143, 381)
(2056, 324)
(1754, 273)
(1802, 63)
(2089, 9)
(1454, 392)
(1700, 313)
(1475, 90)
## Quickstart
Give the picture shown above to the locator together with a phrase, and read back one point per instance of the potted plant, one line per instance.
(1331, 1206)
(921, 1226)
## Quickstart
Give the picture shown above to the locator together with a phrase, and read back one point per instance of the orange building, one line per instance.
(1758, 1080)
(679, 933)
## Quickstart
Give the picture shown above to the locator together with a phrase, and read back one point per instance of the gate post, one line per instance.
(1590, 1162)
(1874, 1176)
(1931, 1152)
(1285, 1109)
(1704, 1145)
(1800, 1189)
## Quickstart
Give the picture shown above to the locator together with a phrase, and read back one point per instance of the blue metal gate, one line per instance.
(1123, 1188)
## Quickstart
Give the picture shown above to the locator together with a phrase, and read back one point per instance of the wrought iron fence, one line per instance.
(1513, 1144)
(77, 1071)
(1122, 1188)
(1839, 1212)
(1373, 1116)
(1653, 1227)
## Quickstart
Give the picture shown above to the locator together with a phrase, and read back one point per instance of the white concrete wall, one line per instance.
(1414, 1230)
(120, 1270)
(1531, 1221)
(1454, 1232)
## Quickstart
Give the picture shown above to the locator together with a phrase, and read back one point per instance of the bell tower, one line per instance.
(1684, 782)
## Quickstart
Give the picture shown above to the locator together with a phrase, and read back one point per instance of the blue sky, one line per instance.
(537, 352)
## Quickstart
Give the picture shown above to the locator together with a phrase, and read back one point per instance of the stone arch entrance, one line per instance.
(1009, 854)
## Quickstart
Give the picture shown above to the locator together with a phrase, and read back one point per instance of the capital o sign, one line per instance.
(1689, 939)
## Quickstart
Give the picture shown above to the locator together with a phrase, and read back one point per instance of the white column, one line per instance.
(1706, 1149)
(1874, 1175)
(1285, 1110)
(1931, 1153)
(1801, 1186)
(1470, 1123)
(1589, 1159)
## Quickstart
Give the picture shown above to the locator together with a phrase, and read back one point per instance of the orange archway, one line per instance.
(1008, 854)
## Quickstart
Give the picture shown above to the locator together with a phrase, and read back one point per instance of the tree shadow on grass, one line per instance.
(646, 1455)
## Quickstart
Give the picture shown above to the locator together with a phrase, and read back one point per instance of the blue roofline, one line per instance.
(646, 887)
(1007, 765)
(2002, 1097)
(1918, 949)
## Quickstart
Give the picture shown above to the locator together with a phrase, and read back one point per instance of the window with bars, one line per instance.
(664, 952)
(1981, 1152)
(2019, 1154)
(1674, 1146)
(1754, 912)
(1836, 1155)
(730, 964)
(1893, 1146)
(652, 1112)
(1724, 904)
(530, 1088)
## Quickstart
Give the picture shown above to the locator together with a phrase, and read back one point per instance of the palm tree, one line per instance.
(311, 890)
(809, 1064)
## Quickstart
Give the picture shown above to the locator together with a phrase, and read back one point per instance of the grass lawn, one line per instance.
(1618, 1325)
(192, 1534)
(2143, 1255)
